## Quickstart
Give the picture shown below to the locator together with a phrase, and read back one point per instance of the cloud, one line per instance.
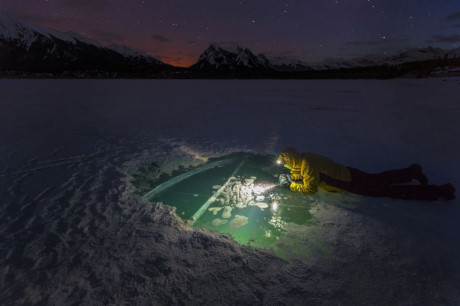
(159, 57)
(169, 58)
(160, 38)
(446, 38)
(93, 6)
(173, 60)
(454, 16)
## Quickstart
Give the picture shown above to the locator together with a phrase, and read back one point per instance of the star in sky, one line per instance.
(178, 31)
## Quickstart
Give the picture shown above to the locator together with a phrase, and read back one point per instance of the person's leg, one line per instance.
(417, 192)
(377, 185)
(401, 176)
(366, 183)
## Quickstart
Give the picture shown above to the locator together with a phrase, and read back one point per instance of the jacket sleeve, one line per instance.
(310, 180)
(295, 176)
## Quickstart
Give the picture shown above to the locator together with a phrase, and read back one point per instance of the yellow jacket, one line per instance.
(315, 171)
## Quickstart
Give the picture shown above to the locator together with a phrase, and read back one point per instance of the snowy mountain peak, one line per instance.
(232, 48)
(409, 55)
(287, 64)
(29, 47)
(217, 57)
(26, 34)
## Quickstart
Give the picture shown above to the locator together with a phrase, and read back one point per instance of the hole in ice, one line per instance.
(235, 194)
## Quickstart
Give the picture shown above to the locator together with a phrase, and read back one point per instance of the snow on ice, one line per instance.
(73, 232)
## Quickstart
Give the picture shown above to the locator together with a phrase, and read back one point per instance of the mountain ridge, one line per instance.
(218, 58)
(28, 49)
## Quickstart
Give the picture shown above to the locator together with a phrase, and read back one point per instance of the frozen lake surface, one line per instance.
(73, 231)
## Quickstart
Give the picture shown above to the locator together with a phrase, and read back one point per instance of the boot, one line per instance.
(418, 192)
(447, 191)
(416, 173)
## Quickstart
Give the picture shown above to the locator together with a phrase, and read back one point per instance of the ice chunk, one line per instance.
(227, 213)
(260, 198)
(246, 191)
(238, 222)
(249, 180)
(218, 222)
(253, 177)
(216, 186)
(225, 197)
(215, 210)
(261, 205)
(240, 205)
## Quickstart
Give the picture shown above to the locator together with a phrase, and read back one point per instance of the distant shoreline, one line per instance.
(419, 69)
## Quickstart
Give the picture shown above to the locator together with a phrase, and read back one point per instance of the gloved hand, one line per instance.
(285, 180)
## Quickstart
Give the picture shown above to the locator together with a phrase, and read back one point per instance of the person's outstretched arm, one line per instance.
(310, 180)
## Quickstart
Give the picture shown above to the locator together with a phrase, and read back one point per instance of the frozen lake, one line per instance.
(74, 231)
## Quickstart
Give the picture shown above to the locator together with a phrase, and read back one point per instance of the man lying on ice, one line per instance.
(316, 171)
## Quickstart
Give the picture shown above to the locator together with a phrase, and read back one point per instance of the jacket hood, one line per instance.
(288, 157)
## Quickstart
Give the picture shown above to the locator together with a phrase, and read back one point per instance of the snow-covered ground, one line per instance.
(72, 232)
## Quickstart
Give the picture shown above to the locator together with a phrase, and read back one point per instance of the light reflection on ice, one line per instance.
(277, 222)
(240, 193)
(258, 189)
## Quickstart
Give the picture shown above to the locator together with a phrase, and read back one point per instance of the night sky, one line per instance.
(178, 31)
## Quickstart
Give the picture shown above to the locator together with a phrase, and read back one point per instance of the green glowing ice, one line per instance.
(240, 197)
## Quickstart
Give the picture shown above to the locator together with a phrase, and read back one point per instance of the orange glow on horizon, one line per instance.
(176, 58)
(182, 62)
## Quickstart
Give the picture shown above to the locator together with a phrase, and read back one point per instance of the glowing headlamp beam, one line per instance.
(260, 189)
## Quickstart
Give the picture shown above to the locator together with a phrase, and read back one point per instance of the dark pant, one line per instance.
(388, 184)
